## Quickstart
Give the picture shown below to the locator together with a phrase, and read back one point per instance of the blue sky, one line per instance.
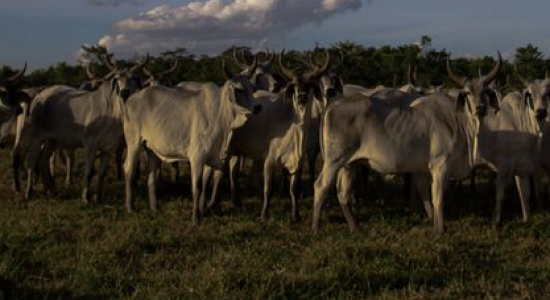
(43, 32)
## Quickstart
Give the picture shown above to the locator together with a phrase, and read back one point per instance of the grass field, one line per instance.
(62, 249)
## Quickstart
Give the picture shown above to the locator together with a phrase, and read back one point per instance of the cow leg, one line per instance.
(312, 160)
(345, 190)
(295, 216)
(218, 176)
(322, 186)
(154, 163)
(268, 183)
(53, 158)
(88, 174)
(503, 179)
(69, 166)
(197, 166)
(103, 167)
(33, 155)
(119, 154)
(44, 168)
(16, 166)
(206, 173)
(524, 190)
(175, 171)
(422, 184)
(439, 182)
(234, 164)
(130, 172)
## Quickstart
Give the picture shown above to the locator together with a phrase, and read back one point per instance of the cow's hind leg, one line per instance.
(154, 164)
(268, 184)
(439, 183)
(524, 190)
(421, 183)
(130, 170)
(322, 185)
(197, 166)
(503, 179)
(345, 187)
(295, 212)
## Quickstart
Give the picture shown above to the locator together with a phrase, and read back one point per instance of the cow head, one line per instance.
(159, 78)
(263, 76)
(303, 87)
(477, 92)
(10, 88)
(330, 82)
(239, 91)
(125, 81)
(536, 95)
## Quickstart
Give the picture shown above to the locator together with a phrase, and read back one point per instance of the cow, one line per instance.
(508, 137)
(277, 137)
(264, 76)
(62, 116)
(174, 125)
(435, 136)
(536, 94)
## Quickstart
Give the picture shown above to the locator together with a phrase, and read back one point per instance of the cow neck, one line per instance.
(220, 129)
(113, 102)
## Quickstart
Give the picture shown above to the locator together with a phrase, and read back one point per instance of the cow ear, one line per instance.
(113, 84)
(317, 92)
(462, 102)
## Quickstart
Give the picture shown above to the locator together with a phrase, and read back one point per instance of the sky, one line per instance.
(45, 32)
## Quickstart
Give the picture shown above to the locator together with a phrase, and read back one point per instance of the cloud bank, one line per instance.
(214, 25)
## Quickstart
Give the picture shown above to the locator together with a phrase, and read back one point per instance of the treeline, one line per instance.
(366, 66)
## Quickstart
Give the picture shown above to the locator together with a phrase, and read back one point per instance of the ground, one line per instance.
(60, 248)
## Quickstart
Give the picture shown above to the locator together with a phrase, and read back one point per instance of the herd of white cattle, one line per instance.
(280, 116)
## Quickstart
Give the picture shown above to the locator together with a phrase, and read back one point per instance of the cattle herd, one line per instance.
(280, 113)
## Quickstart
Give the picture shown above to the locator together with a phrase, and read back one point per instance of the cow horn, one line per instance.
(493, 75)
(252, 68)
(142, 64)
(171, 70)
(19, 74)
(237, 60)
(288, 73)
(318, 71)
(521, 78)
(270, 57)
(226, 72)
(109, 62)
(459, 80)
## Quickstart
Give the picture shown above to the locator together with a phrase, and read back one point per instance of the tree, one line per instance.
(530, 61)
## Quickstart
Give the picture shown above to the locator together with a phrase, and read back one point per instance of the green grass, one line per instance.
(62, 249)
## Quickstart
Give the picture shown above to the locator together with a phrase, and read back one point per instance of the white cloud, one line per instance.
(214, 25)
